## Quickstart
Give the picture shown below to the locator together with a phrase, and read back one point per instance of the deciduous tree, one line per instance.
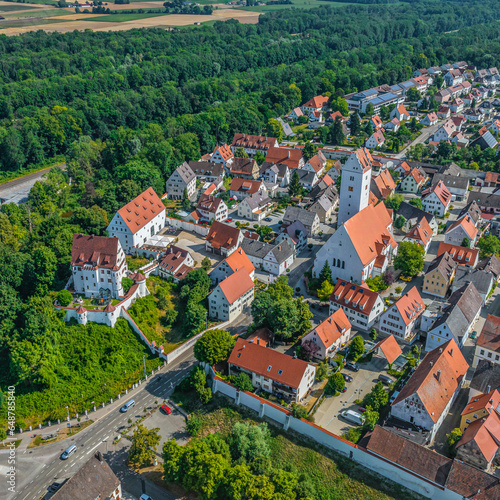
(410, 258)
(143, 447)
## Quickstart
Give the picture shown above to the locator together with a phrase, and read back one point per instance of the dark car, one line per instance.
(347, 378)
(268, 219)
(344, 389)
(54, 487)
(352, 366)
(166, 409)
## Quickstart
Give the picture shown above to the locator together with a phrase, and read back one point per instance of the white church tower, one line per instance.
(355, 184)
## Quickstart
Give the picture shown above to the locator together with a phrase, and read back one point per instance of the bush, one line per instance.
(376, 284)
(335, 383)
(452, 439)
(64, 298)
(354, 434)
(126, 284)
(399, 290)
(194, 424)
(242, 381)
(373, 334)
(357, 348)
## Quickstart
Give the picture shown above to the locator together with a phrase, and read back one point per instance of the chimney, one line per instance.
(440, 350)
(488, 389)
(438, 375)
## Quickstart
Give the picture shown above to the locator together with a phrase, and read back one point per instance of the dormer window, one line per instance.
(269, 368)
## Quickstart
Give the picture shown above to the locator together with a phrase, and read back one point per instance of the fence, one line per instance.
(377, 464)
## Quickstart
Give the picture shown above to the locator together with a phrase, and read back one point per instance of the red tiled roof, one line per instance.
(405, 166)
(238, 260)
(268, 363)
(224, 151)
(488, 402)
(441, 191)
(142, 209)
(333, 327)
(377, 121)
(402, 110)
(489, 337)
(243, 166)
(364, 158)
(245, 185)
(468, 226)
(209, 203)
(485, 432)
(461, 255)
(222, 235)
(316, 163)
(385, 183)
(417, 176)
(356, 297)
(410, 305)
(492, 176)
(258, 142)
(327, 180)
(421, 232)
(378, 136)
(316, 102)
(436, 379)
(235, 285)
(390, 347)
(81, 310)
(95, 251)
(472, 483)
(287, 156)
(369, 233)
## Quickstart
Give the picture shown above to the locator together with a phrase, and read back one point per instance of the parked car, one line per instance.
(166, 409)
(145, 497)
(54, 487)
(352, 366)
(393, 397)
(385, 379)
(352, 417)
(268, 219)
(347, 378)
(229, 220)
(473, 335)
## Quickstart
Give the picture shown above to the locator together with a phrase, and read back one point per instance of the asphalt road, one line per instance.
(38, 468)
(424, 136)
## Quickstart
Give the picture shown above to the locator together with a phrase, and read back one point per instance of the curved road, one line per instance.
(38, 468)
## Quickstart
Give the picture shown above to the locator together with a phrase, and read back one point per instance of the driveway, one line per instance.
(327, 415)
(196, 246)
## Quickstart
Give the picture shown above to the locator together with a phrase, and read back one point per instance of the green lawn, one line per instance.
(16, 6)
(120, 18)
(38, 13)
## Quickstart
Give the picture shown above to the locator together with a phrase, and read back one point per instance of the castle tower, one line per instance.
(82, 315)
(355, 184)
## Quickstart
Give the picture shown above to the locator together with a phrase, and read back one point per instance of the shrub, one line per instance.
(354, 434)
(126, 284)
(335, 383)
(64, 298)
(452, 439)
(194, 424)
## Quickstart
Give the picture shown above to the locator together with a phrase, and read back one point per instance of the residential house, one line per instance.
(316, 164)
(383, 185)
(443, 112)
(207, 170)
(457, 318)
(95, 479)
(365, 243)
(243, 188)
(325, 204)
(376, 122)
(474, 115)
(389, 349)
(457, 105)
(231, 296)
(485, 140)
(223, 239)
(473, 211)
(361, 306)
(315, 116)
(393, 125)
(182, 180)
(330, 335)
(276, 373)
(444, 133)
(413, 214)
(487, 202)
(480, 443)
(436, 199)
(309, 219)
(403, 317)
(274, 258)
(482, 280)
(98, 266)
(461, 255)
(400, 113)
(231, 264)
(222, 154)
(376, 140)
(491, 265)
(138, 220)
(425, 400)
(288, 156)
(317, 103)
(453, 77)
(439, 275)
(296, 235)
(494, 128)
(176, 264)
(459, 186)
(295, 114)
(253, 143)
(479, 407)
(488, 343)
(413, 181)
(255, 207)
(307, 178)
(209, 208)
(429, 119)
(275, 173)
(485, 377)
(421, 233)
(460, 231)
(244, 168)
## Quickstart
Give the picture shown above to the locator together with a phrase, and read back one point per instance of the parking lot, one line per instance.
(327, 415)
(171, 426)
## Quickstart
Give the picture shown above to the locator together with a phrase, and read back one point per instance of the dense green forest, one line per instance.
(125, 108)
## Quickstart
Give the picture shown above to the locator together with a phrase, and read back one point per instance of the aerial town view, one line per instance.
(250, 250)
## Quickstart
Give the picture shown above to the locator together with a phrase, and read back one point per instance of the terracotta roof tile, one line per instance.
(468, 226)
(268, 363)
(258, 142)
(488, 402)
(356, 297)
(238, 260)
(472, 483)
(316, 102)
(142, 209)
(235, 285)
(333, 327)
(421, 232)
(246, 185)
(222, 235)
(286, 156)
(390, 348)
(461, 255)
(489, 337)
(224, 151)
(95, 251)
(410, 305)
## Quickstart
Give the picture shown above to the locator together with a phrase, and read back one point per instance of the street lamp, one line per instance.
(67, 408)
